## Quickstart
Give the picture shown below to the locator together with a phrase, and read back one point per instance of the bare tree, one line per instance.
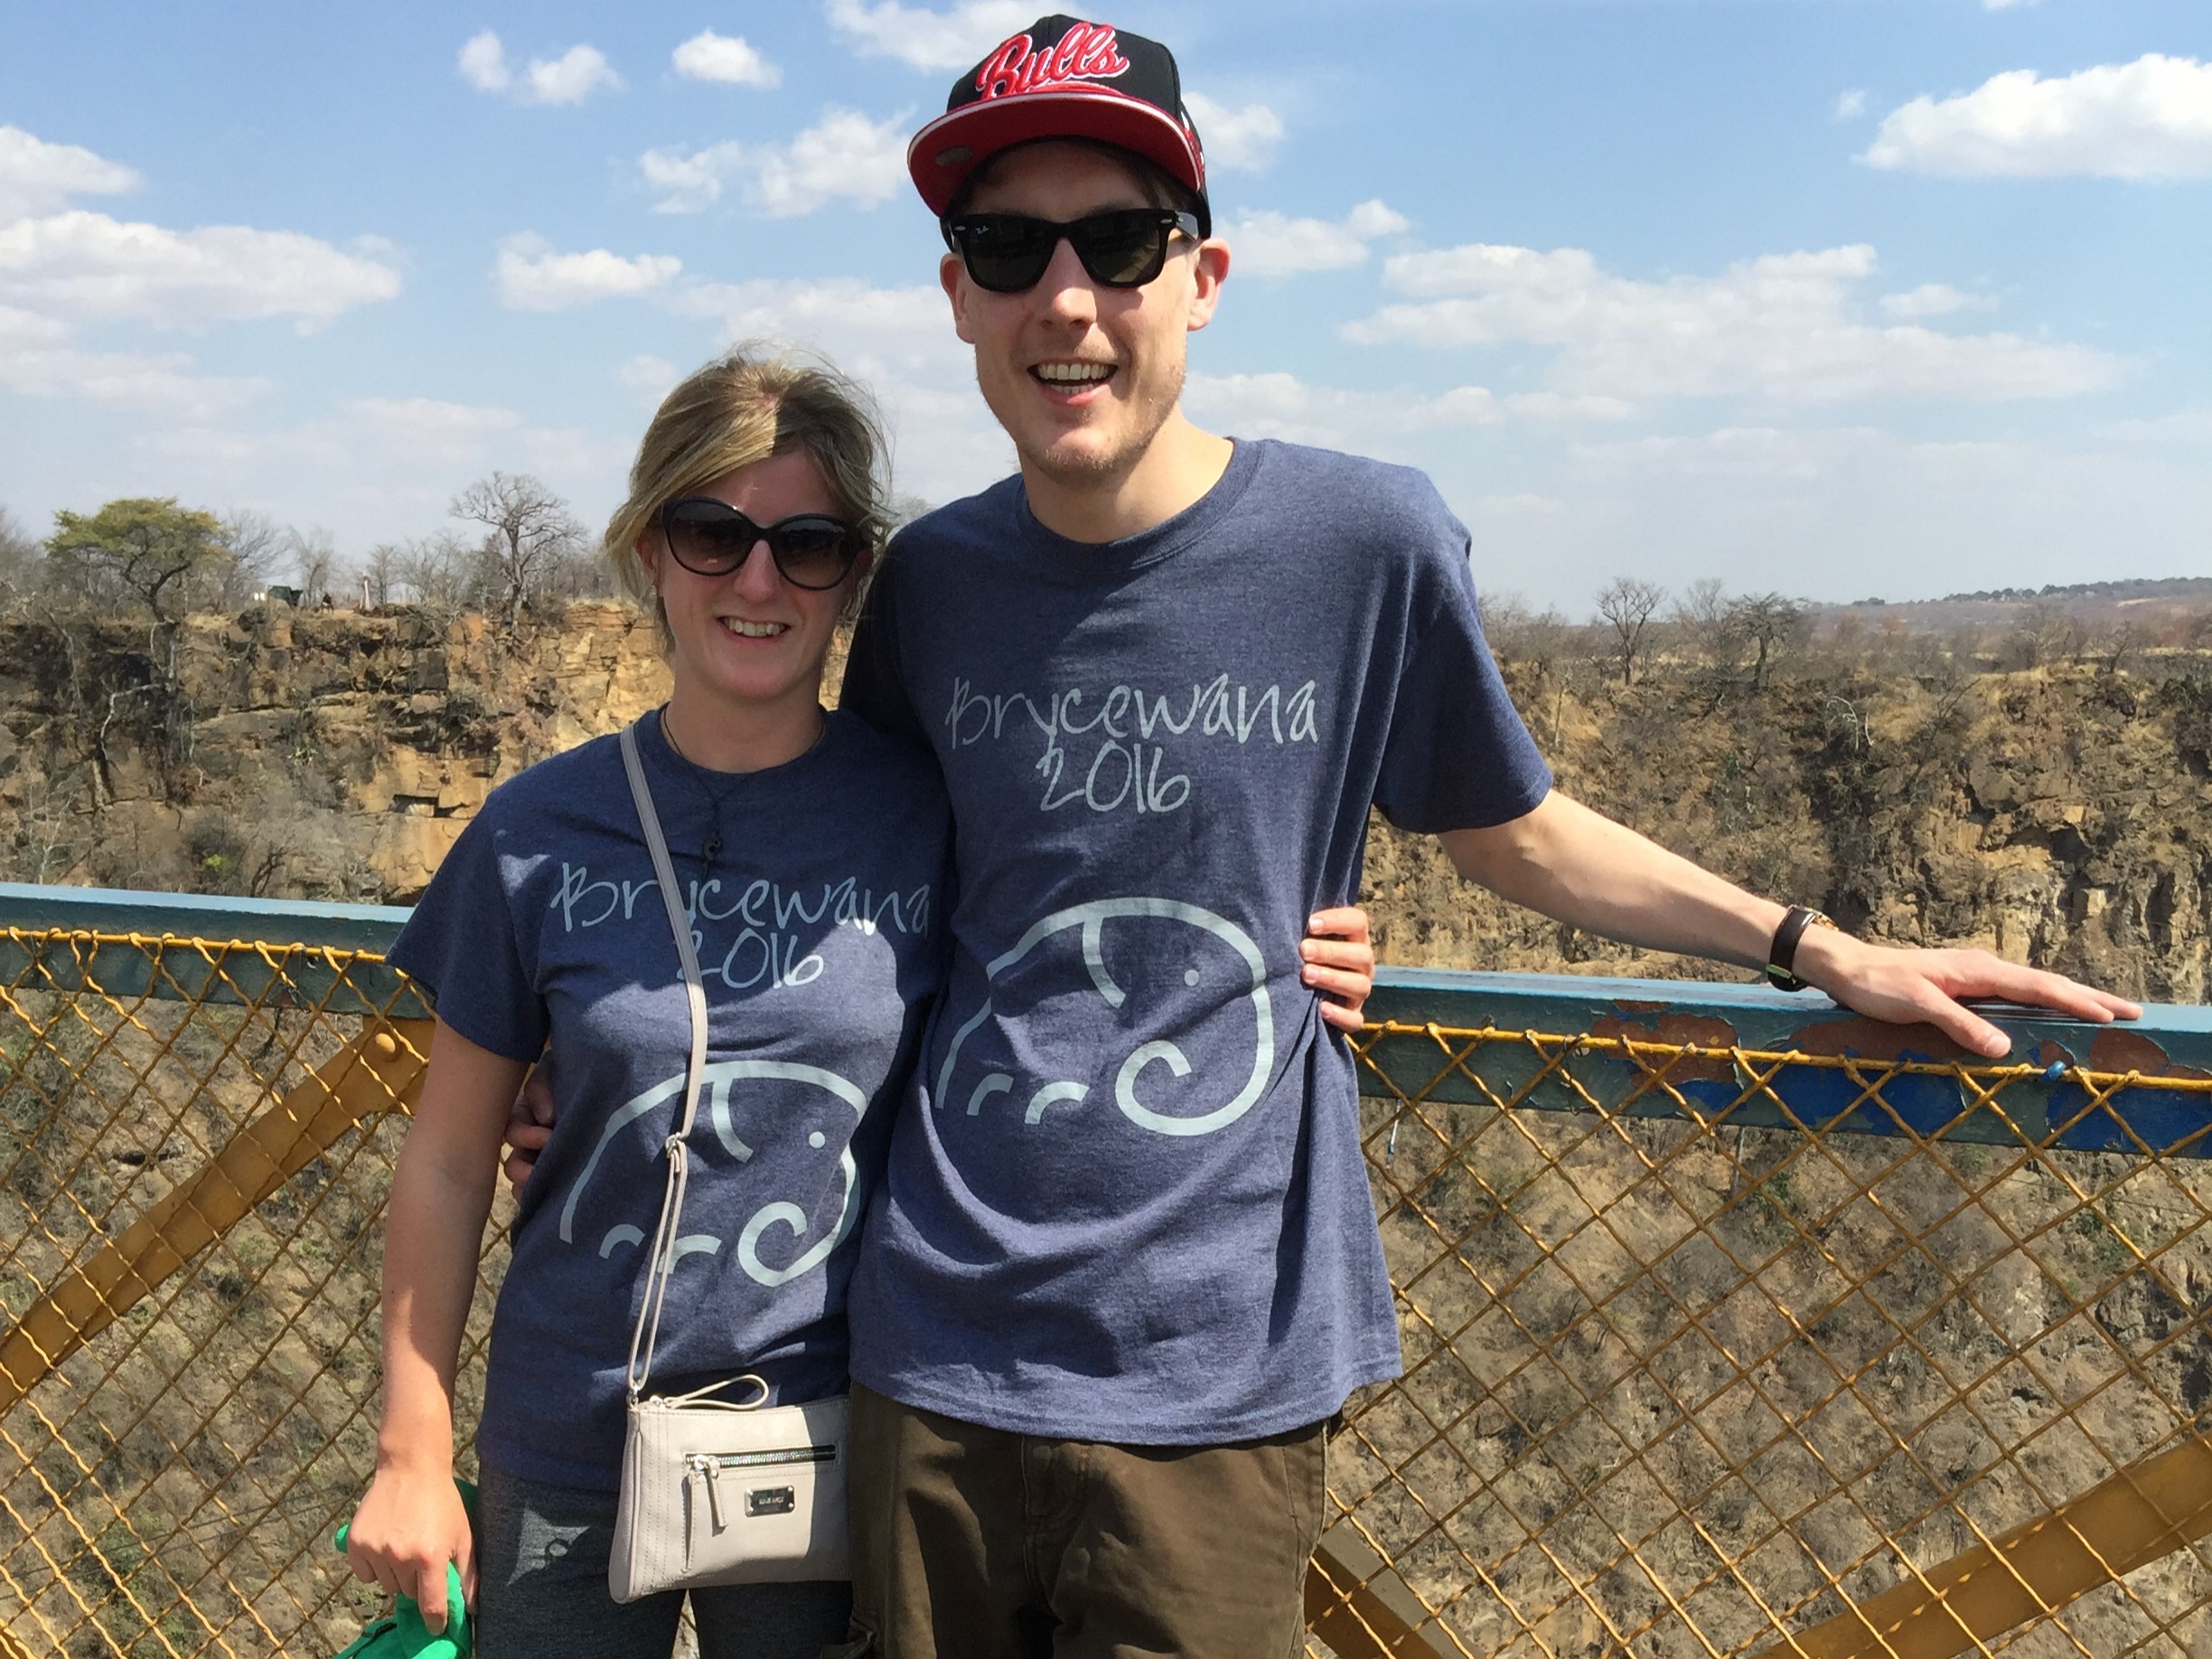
(255, 542)
(1700, 613)
(381, 572)
(1763, 625)
(314, 555)
(435, 569)
(1626, 605)
(528, 532)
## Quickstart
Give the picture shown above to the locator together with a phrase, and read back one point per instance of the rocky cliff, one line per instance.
(2059, 815)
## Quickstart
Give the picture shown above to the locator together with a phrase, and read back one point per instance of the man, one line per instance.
(1125, 1266)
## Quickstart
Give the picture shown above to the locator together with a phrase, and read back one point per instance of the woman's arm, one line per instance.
(412, 1523)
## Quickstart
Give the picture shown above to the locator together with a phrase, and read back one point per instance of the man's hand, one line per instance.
(1904, 986)
(1339, 963)
(530, 1125)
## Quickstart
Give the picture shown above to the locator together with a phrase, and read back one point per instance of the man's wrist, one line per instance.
(1822, 955)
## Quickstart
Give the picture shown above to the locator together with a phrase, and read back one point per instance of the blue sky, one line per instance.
(1842, 297)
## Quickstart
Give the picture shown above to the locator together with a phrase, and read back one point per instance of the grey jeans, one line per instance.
(542, 1589)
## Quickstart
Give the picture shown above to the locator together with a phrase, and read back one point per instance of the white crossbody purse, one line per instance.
(714, 1491)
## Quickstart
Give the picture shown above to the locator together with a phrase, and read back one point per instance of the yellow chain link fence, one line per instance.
(1716, 1343)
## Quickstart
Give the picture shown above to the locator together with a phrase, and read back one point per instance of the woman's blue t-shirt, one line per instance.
(818, 932)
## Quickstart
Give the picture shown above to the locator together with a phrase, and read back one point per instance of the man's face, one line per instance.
(1081, 376)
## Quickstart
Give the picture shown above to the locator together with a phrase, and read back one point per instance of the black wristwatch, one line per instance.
(1782, 954)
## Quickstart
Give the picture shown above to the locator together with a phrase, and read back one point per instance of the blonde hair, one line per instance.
(755, 402)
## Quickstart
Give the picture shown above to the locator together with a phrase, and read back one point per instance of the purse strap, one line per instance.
(661, 1262)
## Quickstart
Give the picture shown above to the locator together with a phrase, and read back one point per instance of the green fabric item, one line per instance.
(400, 1634)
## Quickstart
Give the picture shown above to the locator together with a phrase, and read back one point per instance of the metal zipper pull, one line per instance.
(714, 1492)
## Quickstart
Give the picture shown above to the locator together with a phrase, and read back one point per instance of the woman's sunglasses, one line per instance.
(711, 539)
(1123, 248)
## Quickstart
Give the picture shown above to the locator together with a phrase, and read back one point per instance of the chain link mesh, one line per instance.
(170, 1486)
(1690, 1373)
(1691, 1370)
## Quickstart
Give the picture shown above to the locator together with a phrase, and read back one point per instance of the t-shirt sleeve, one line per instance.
(460, 945)
(875, 687)
(1459, 756)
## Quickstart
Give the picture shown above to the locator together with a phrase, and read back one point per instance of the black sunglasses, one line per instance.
(710, 538)
(1124, 247)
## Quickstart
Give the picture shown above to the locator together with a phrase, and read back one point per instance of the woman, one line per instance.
(812, 853)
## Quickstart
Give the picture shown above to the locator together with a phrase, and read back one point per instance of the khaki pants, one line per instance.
(978, 1543)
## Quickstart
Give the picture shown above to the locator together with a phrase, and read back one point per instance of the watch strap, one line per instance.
(1782, 954)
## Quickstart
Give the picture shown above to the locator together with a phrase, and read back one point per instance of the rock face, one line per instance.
(2061, 815)
(2058, 816)
(328, 753)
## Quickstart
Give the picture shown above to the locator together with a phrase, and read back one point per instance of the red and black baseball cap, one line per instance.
(1061, 78)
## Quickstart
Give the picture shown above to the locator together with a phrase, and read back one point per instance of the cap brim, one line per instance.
(952, 147)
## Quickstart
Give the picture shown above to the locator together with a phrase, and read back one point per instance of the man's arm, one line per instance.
(1586, 870)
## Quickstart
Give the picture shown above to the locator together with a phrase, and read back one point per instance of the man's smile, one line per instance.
(1072, 377)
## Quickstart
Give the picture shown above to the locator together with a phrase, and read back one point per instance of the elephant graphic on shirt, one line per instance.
(1090, 921)
(714, 1085)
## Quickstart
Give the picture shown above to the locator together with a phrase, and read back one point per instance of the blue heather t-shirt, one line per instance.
(1126, 1200)
(820, 935)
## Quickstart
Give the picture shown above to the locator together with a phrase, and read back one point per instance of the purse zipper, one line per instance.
(711, 1464)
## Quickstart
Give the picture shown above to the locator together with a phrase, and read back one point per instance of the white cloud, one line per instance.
(899, 343)
(1563, 406)
(1281, 406)
(1269, 244)
(2147, 119)
(651, 377)
(39, 357)
(59, 269)
(87, 265)
(1242, 140)
(36, 177)
(430, 426)
(926, 40)
(531, 277)
(833, 313)
(569, 79)
(843, 156)
(2003, 5)
(572, 77)
(384, 467)
(483, 63)
(1933, 299)
(2193, 426)
(1788, 327)
(1849, 106)
(728, 58)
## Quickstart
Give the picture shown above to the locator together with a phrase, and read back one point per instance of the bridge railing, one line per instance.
(1733, 1324)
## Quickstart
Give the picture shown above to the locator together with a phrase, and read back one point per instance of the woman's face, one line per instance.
(748, 636)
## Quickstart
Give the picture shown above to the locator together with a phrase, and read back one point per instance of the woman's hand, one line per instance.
(411, 1524)
(1339, 963)
(530, 1125)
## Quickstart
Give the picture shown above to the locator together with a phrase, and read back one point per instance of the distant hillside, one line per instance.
(2146, 602)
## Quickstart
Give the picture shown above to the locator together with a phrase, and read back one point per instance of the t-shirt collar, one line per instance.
(1089, 560)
